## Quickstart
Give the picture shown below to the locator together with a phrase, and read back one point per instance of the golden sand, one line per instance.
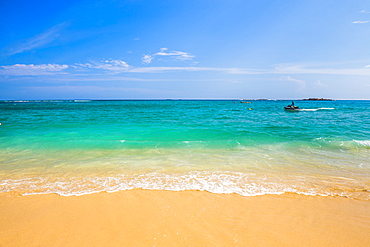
(189, 218)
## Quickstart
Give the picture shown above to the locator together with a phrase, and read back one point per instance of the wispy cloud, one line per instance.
(301, 85)
(39, 40)
(318, 83)
(364, 11)
(147, 59)
(87, 91)
(301, 69)
(168, 69)
(31, 69)
(115, 66)
(175, 55)
(280, 69)
(360, 22)
(98, 78)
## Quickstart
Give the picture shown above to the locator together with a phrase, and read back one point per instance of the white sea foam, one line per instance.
(215, 182)
(317, 109)
(308, 109)
(82, 100)
(365, 143)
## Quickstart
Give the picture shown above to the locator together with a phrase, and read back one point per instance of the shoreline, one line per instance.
(182, 218)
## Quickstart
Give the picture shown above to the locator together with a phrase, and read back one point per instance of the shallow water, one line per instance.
(79, 147)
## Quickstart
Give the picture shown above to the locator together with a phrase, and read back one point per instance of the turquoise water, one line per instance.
(79, 147)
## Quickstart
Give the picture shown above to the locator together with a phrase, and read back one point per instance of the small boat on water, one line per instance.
(291, 107)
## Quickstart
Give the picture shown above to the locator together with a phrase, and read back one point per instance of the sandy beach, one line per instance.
(188, 218)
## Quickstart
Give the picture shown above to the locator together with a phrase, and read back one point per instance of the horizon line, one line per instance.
(175, 99)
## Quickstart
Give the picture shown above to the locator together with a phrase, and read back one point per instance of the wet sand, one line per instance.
(188, 218)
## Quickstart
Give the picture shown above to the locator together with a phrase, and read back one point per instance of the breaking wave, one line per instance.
(214, 182)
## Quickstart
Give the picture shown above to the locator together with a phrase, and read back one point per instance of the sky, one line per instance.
(184, 49)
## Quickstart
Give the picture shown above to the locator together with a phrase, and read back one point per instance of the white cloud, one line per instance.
(116, 66)
(31, 69)
(289, 78)
(164, 69)
(300, 69)
(39, 40)
(360, 22)
(281, 69)
(176, 55)
(100, 77)
(364, 11)
(147, 59)
(300, 83)
(87, 91)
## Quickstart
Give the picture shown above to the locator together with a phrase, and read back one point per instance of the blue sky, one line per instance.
(156, 49)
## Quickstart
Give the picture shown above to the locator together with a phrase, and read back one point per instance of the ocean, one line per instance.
(79, 147)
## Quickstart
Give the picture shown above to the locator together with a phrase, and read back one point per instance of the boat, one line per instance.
(291, 107)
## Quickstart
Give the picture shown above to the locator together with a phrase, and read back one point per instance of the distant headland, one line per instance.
(319, 99)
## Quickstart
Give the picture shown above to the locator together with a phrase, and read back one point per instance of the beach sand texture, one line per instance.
(185, 218)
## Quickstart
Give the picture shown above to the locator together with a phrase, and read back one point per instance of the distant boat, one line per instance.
(291, 107)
